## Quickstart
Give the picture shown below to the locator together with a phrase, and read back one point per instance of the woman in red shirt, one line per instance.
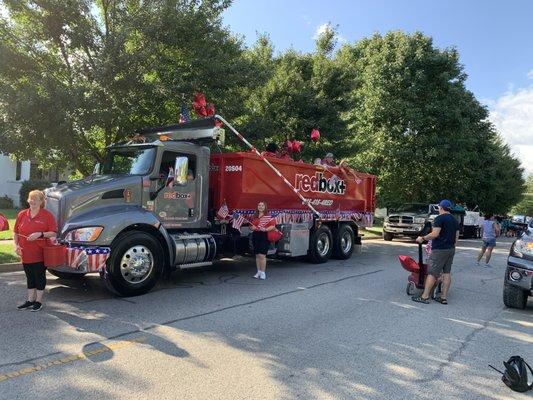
(32, 227)
(261, 224)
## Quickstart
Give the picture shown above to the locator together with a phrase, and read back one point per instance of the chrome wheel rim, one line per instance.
(346, 242)
(136, 264)
(323, 244)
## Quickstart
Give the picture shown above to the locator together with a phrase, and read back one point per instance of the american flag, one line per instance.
(223, 211)
(184, 114)
(238, 220)
(75, 256)
(96, 258)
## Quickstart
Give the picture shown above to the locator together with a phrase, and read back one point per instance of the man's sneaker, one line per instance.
(263, 275)
(487, 265)
(37, 306)
(26, 305)
(258, 275)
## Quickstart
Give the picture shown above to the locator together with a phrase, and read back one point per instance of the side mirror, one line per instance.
(96, 169)
(180, 171)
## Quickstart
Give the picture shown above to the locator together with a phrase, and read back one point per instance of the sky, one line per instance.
(494, 40)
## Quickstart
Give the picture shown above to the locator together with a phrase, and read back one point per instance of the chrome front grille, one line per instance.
(400, 219)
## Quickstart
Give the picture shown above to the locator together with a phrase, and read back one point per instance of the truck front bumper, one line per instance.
(403, 229)
(519, 273)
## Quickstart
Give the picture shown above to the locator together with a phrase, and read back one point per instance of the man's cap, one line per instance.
(446, 204)
(329, 155)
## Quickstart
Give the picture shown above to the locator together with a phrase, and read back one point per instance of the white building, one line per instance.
(13, 173)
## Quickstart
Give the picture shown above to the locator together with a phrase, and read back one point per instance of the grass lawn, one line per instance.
(11, 215)
(7, 253)
(375, 231)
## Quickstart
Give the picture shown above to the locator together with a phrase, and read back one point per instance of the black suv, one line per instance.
(518, 283)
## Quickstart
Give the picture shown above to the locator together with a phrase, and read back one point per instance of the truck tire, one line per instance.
(135, 264)
(320, 245)
(514, 297)
(66, 275)
(387, 236)
(343, 242)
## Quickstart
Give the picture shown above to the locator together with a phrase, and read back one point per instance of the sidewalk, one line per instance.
(10, 267)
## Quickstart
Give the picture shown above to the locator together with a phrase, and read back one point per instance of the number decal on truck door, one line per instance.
(233, 168)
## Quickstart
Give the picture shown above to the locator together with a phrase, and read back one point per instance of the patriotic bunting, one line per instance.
(88, 259)
(96, 258)
(304, 216)
(75, 256)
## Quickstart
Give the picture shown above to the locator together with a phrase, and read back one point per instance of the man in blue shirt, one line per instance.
(444, 235)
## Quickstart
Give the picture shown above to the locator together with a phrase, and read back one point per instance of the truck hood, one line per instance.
(84, 195)
(407, 214)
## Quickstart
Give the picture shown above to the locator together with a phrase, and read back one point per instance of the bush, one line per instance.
(28, 186)
(6, 202)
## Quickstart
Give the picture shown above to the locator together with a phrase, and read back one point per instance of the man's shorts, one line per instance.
(440, 261)
(489, 242)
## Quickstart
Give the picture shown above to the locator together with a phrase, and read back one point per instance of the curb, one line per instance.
(11, 267)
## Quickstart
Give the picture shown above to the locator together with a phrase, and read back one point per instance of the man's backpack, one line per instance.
(515, 375)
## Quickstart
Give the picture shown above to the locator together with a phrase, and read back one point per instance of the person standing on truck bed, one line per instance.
(32, 226)
(261, 224)
(491, 229)
(444, 235)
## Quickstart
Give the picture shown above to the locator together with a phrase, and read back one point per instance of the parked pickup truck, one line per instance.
(518, 281)
(408, 220)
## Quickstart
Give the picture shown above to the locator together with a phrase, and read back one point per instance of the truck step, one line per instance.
(194, 265)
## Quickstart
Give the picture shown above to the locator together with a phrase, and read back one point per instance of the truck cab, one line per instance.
(147, 203)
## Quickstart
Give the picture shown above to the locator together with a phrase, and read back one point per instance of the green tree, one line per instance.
(419, 130)
(293, 93)
(78, 75)
(525, 206)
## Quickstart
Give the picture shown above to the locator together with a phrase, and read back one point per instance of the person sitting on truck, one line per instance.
(285, 153)
(271, 150)
(328, 160)
(262, 222)
(32, 227)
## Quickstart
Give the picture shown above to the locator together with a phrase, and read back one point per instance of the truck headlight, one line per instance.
(420, 220)
(522, 248)
(89, 234)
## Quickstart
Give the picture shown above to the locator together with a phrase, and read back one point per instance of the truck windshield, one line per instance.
(129, 160)
(413, 208)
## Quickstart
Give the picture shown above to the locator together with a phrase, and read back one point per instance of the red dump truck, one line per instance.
(164, 202)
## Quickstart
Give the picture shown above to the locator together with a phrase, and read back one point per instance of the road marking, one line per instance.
(71, 358)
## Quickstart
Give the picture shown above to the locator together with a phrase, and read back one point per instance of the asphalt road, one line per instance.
(341, 330)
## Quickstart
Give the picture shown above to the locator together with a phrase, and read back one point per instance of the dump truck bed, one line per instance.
(240, 180)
